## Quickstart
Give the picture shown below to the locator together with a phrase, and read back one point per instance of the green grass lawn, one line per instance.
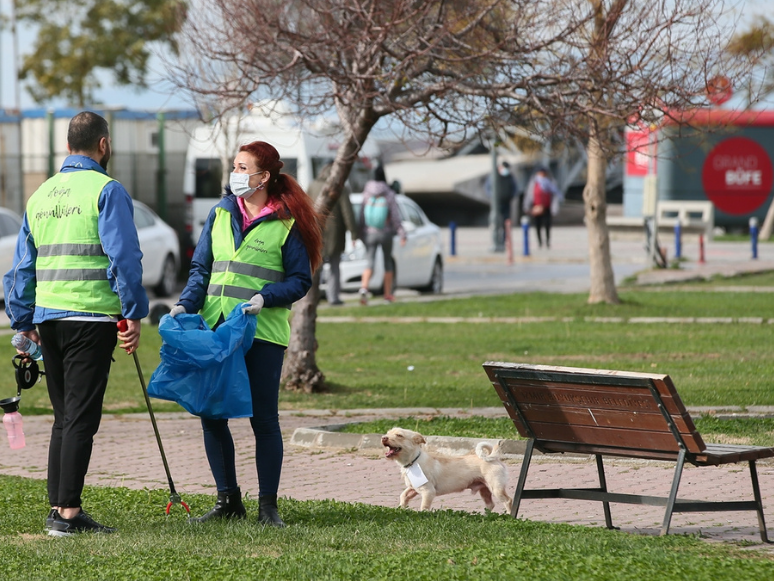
(333, 540)
(425, 365)
(439, 365)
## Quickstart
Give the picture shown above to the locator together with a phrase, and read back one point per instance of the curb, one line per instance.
(328, 437)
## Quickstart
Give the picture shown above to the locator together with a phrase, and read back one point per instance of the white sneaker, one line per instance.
(363, 296)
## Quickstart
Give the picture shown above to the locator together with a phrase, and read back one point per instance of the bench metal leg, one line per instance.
(670, 506)
(758, 501)
(522, 477)
(603, 488)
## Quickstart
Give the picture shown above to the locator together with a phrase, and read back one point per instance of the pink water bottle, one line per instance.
(13, 425)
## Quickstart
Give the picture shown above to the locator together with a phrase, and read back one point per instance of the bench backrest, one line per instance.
(592, 411)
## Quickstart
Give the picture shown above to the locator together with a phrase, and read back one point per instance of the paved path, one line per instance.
(125, 454)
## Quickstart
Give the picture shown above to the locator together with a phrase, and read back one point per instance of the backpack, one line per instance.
(541, 197)
(375, 212)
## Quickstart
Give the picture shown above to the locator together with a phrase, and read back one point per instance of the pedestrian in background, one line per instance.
(502, 194)
(541, 201)
(340, 219)
(76, 271)
(260, 243)
(379, 222)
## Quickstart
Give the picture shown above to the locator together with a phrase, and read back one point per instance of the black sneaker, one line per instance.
(81, 523)
(52, 514)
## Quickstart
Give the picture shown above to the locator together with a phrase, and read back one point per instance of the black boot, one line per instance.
(267, 511)
(229, 505)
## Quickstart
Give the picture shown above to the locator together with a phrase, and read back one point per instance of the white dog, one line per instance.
(431, 476)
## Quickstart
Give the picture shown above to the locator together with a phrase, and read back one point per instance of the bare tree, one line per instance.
(621, 62)
(757, 44)
(422, 63)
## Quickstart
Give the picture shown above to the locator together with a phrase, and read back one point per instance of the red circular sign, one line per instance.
(737, 175)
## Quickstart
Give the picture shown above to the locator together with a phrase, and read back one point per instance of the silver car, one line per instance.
(160, 251)
(418, 264)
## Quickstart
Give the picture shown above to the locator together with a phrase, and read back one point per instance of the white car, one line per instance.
(418, 264)
(160, 251)
(10, 224)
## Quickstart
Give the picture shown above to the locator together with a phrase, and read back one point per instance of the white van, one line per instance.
(304, 148)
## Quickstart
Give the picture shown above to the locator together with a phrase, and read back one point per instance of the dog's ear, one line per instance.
(419, 439)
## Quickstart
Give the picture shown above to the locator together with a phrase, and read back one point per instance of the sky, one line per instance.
(159, 97)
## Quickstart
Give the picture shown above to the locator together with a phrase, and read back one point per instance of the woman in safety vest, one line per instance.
(260, 245)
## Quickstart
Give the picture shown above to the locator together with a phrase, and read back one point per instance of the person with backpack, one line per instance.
(541, 201)
(379, 221)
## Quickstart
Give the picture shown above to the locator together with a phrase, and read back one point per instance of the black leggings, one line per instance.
(264, 367)
(543, 221)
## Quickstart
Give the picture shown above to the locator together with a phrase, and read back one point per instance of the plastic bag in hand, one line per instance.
(203, 370)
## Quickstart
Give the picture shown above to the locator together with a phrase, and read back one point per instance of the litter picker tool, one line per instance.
(174, 497)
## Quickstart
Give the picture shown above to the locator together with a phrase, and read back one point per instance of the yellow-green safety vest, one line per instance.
(71, 267)
(238, 274)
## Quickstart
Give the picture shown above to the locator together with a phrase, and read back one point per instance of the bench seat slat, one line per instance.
(589, 416)
(658, 441)
(609, 397)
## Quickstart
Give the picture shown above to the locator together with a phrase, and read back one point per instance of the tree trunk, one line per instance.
(300, 372)
(595, 208)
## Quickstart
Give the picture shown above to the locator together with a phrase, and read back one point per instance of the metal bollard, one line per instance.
(754, 236)
(453, 238)
(508, 241)
(678, 239)
(701, 249)
(525, 231)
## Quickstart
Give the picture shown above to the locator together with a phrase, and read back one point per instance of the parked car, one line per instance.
(418, 264)
(160, 251)
(10, 224)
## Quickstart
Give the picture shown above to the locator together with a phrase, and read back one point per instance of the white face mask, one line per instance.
(239, 183)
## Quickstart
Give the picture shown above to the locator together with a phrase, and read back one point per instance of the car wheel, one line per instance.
(435, 286)
(168, 280)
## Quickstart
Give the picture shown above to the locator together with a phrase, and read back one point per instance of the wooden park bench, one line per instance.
(614, 413)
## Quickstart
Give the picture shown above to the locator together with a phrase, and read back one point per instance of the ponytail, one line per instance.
(293, 202)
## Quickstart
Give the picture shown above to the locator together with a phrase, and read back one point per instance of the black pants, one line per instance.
(76, 357)
(543, 221)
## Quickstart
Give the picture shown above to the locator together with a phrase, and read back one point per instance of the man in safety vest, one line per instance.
(76, 271)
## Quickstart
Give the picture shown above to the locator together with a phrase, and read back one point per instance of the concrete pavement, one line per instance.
(126, 455)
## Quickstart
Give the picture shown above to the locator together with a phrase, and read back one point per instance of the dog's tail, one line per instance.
(486, 451)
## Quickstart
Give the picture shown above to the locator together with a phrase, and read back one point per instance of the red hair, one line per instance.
(285, 192)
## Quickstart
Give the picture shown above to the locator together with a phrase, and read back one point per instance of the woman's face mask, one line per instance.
(240, 184)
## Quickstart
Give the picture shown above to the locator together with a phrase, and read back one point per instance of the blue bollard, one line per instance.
(525, 231)
(754, 237)
(678, 239)
(453, 238)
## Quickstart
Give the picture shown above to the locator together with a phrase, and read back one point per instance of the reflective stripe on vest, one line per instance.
(71, 267)
(238, 274)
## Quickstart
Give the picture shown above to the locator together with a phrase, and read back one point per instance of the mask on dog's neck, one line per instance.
(410, 464)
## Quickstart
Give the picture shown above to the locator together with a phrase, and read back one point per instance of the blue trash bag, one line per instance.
(203, 370)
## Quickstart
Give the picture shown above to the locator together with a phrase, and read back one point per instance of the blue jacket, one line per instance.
(119, 242)
(295, 261)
